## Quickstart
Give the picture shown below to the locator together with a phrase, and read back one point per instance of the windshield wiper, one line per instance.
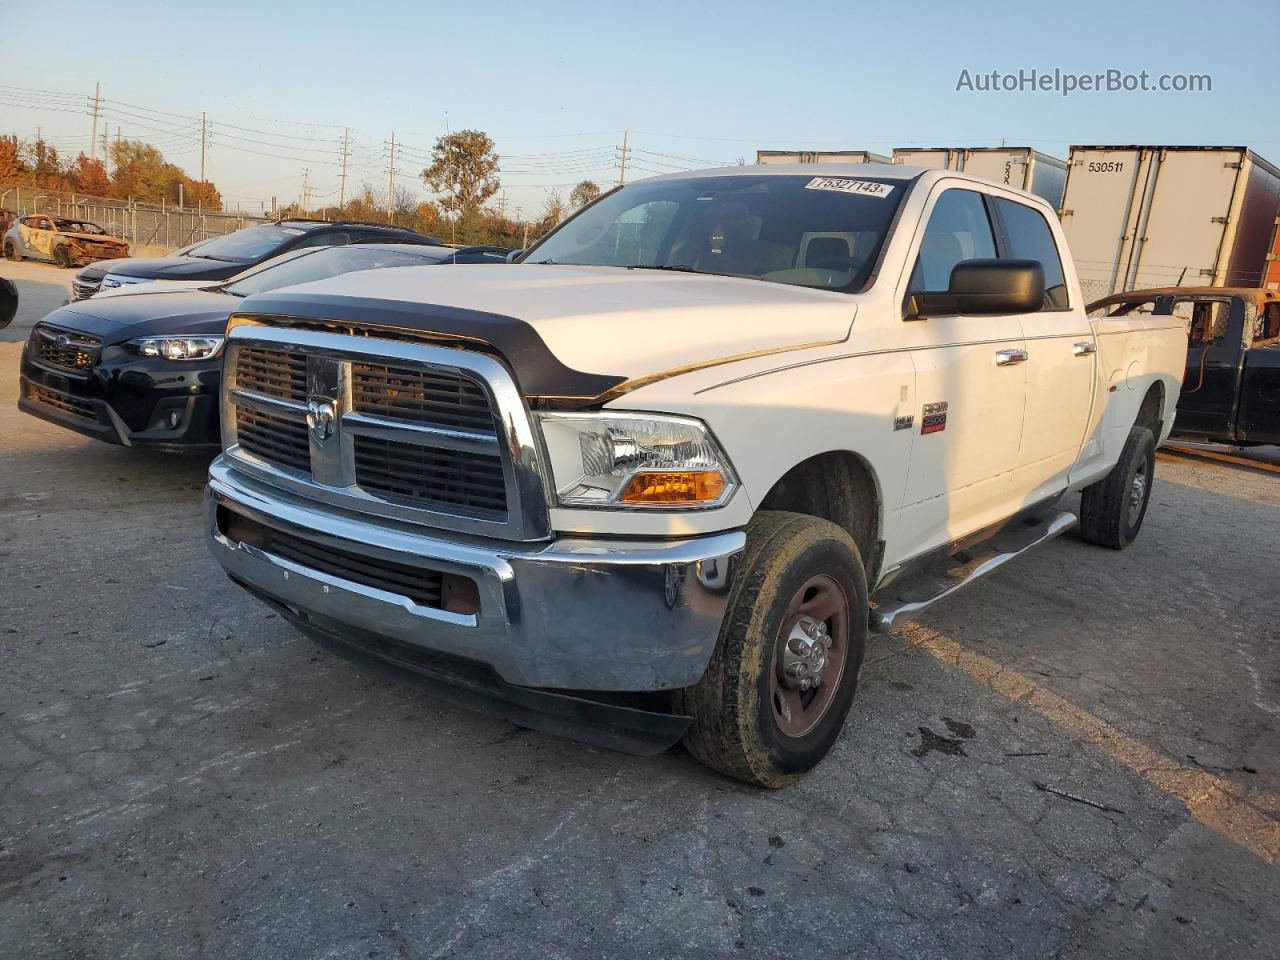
(677, 267)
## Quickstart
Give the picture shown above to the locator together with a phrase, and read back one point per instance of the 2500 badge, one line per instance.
(933, 418)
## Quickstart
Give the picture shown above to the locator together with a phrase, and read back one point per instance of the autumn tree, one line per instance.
(140, 172)
(463, 170)
(584, 193)
(45, 164)
(89, 176)
(202, 195)
(10, 159)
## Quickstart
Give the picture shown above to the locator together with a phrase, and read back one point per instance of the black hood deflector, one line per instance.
(538, 372)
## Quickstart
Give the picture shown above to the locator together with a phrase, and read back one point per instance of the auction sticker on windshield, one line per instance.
(868, 188)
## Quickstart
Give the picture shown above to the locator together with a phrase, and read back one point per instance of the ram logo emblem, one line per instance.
(321, 414)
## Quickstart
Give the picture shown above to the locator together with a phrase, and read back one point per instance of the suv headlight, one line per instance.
(179, 348)
(635, 460)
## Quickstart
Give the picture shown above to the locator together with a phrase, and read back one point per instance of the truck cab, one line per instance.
(660, 478)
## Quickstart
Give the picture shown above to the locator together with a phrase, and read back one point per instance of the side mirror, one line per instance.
(513, 255)
(984, 288)
(8, 302)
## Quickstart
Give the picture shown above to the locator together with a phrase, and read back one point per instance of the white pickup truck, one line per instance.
(661, 477)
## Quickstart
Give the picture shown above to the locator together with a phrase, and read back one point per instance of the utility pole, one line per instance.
(93, 140)
(204, 137)
(391, 182)
(306, 189)
(622, 159)
(342, 180)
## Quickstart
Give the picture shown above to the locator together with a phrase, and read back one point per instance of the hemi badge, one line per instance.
(904, 423)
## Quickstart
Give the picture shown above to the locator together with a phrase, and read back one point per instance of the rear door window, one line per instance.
(1266, 326)
(1027, 236)
(1206, 320)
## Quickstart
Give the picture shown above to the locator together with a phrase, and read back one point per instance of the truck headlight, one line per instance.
(635, 460)
(179, 348)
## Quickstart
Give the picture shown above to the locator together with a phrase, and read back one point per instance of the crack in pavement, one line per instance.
(1212, 800)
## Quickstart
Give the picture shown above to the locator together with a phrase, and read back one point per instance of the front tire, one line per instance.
(1112, 510)
(783, 676)
(62, 257)
(10, 253)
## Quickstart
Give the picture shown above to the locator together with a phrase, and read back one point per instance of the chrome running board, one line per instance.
(884, 616)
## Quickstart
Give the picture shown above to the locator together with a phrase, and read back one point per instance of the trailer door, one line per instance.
(1104, 188)
(1183, 232)
(1003, 166)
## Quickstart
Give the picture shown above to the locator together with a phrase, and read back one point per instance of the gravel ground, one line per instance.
(184, 776)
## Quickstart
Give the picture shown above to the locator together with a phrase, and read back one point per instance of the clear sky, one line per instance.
(556, 84)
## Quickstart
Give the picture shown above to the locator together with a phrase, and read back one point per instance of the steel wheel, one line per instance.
(784, 671)
(809, 656)
(1137, 493)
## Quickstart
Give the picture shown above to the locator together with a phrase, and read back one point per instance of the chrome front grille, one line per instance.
(401, 430)
(275, 373)
(444, 478)
(278, 439)
(84, 289)
(422, 396)
(63, 349)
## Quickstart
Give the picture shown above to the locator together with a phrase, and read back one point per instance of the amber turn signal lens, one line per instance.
(693, 486)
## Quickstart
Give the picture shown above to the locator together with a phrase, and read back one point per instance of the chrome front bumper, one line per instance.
(576, 614)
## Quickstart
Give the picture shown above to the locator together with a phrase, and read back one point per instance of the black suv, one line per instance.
(224, 257)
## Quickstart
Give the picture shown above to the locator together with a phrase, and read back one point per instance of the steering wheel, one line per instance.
(848, 264)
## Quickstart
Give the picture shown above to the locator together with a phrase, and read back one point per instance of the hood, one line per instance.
(96, 271)
(621, 324)
(165, 312)
(97, 238)
(177, 268)
(151, 286)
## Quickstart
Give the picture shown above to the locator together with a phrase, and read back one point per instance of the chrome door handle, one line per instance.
(1006, 357)
(1084, 349)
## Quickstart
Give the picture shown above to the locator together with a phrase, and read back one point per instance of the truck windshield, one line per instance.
(812, 231)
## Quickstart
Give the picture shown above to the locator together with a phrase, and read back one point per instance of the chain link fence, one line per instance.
(150, 229)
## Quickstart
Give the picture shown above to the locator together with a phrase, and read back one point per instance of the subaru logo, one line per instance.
(62, 340)
(321, 414)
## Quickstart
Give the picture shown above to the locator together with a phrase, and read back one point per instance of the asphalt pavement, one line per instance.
(1078, 757)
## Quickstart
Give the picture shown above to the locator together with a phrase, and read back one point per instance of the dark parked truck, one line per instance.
(1231, 388)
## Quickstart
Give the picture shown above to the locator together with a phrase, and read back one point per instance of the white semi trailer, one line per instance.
(1020, 167)
(1162, 216)
(820, 156)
